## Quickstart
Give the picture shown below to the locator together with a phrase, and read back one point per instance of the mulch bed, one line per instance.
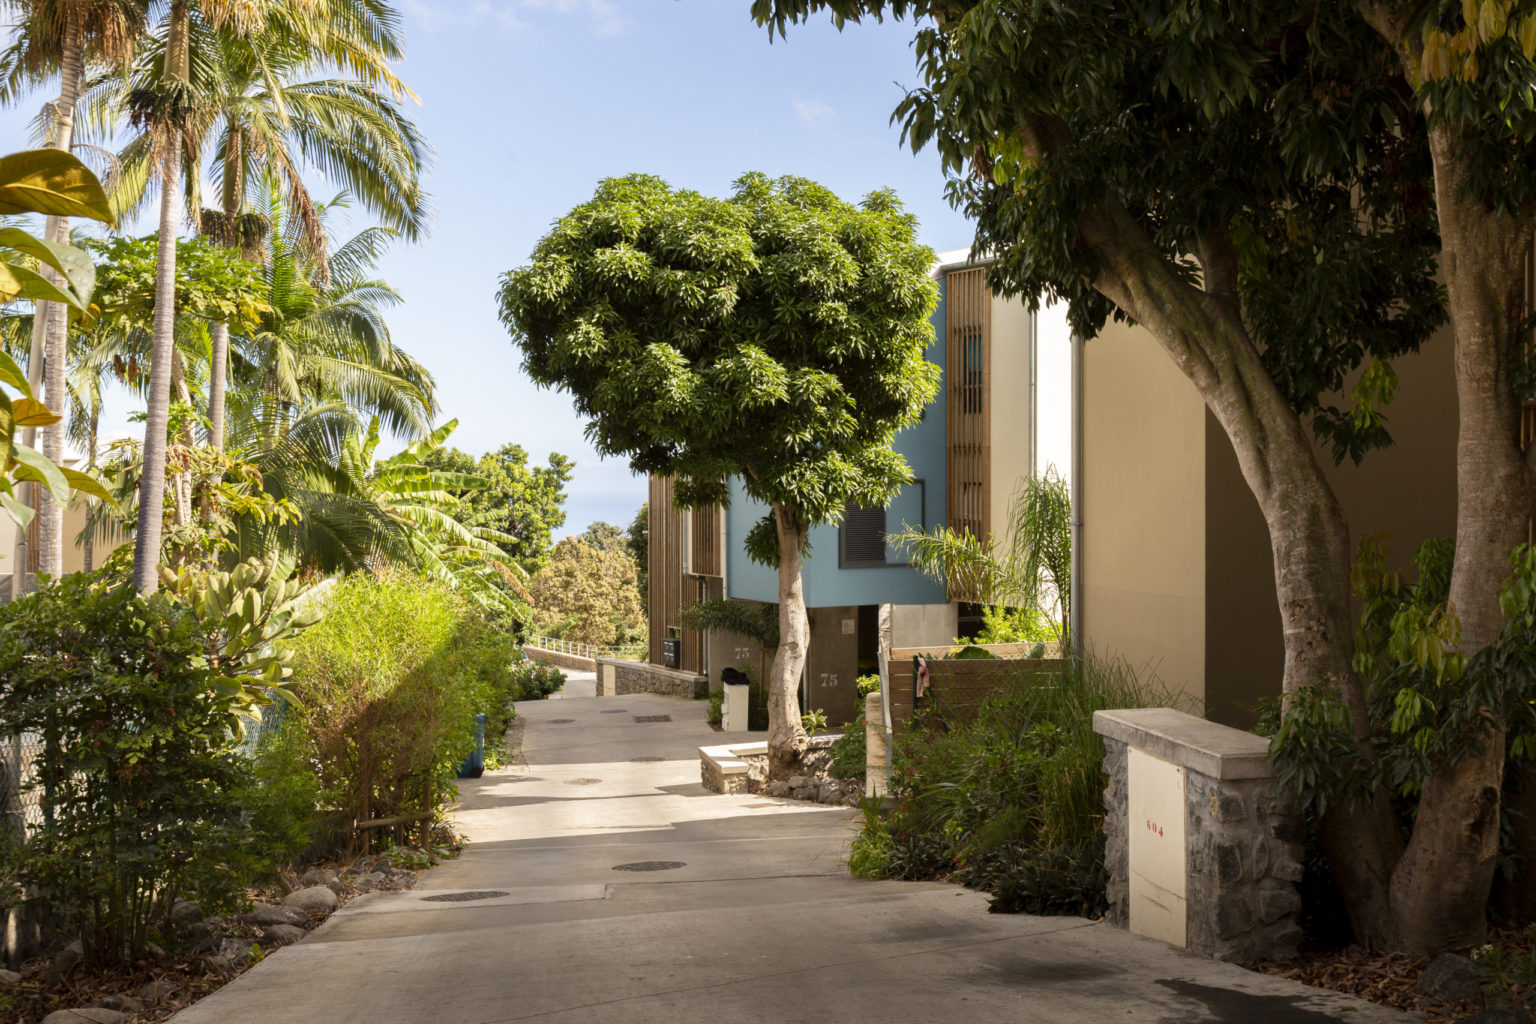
(187, 977)
(1387, 978)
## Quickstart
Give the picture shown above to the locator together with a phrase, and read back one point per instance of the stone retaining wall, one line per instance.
(616, 677)
(569, 661)
(1241, 850)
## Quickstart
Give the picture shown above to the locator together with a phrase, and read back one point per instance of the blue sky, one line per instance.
(528, 103)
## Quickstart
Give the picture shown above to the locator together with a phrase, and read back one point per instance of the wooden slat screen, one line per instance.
(1528, 412)
(968, 369)
(704, 537)
(668, 588)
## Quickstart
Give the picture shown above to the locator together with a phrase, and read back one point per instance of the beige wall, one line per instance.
(1143, 507)
(1407, 490)
(1012, 442)
(74, 556)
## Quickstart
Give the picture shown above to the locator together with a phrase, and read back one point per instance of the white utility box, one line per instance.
(738, 698)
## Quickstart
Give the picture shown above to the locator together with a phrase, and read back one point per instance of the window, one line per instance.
(861, 539)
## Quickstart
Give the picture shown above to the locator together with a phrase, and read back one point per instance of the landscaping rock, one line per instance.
(121, 1002)
(86, 1015)
(268, 914)
(798, 781)
(232, 953)
(158, 990)
(779, 788)
(366, 883)
(9, 978)
(68, 957)
(1448, 978)
(315, 899)
(282, 934)
(185, 912)
(196, 934)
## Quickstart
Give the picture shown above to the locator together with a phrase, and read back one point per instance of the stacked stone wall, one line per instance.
(641, 677)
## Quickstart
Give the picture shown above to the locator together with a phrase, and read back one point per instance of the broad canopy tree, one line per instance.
(776, 336)
(1269, 190)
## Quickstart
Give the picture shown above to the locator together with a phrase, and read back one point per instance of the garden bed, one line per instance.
(743, 768)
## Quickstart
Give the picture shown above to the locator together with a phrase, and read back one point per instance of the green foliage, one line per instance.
(1012, 801)
(589, 594)
(870, 854)
(1033, 573)
(868, 684)
(813, 721)
(536, 680)
(758, 622)
(777, 335)
(1426, 701)
(390, 681)
(640, 544)
(1507, 977)
(850, 750)
(716, 713)
(526, 503)
(282, 798)
(138, 778)
(212, 283)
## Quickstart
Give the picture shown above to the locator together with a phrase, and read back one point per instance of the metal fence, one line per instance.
(629, 652)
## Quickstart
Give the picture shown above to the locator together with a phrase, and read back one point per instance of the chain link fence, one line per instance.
(20, 807)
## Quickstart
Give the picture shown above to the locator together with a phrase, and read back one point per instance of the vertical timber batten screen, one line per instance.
(968, 369)
(669, 587)
(1528, 411)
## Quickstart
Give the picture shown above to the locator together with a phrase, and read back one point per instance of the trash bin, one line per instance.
(735, 709)
(474, 765)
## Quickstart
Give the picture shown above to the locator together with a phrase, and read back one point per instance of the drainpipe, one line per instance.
(1076, 624)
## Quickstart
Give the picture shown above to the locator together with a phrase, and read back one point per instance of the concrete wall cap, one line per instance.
(1214, 750)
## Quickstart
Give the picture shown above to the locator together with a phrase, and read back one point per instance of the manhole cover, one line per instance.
(646, 760)
(653, 718)
(651, 865)
(582, 782)
(464, 897)
(615, 711)
(561, 721)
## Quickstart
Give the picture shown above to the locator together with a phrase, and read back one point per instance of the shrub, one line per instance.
(138, 776)
(1012, 802)
(390, 682)
(868, 684)
(849, 751)
(281, 798)
(536, 680)
(716, 707)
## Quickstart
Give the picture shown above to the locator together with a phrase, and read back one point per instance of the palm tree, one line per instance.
(1034, 570)
(61, 35)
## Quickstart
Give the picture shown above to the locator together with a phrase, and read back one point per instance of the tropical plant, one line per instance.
(62, 35)
(588, 594)
(1034, 570)
(776, 337)
(40, 181)
(524, 502)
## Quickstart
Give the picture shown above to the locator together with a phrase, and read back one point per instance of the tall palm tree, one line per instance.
(62, 36)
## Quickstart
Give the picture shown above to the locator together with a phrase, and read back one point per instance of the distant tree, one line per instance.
(640, 545)
(524, 502)
(776, 337)
(589, 594)
(605, 536)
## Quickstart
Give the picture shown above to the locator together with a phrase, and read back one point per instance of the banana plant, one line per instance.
(44, 181)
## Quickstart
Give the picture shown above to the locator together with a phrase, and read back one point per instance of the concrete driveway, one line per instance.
(602, 883)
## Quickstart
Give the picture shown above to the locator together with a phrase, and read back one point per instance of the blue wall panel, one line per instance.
(826, 585)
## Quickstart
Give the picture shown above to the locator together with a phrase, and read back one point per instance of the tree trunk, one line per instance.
(146, 549)
(88, 548)
(1203, 333)
(218, 373)
(787, 741)
(52, 317)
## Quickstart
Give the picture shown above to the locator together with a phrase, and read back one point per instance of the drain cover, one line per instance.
(561, 721)
(645, 760)
(615, 711)
(653, 718)
(651, 865)
(582, 782)
(464, 897)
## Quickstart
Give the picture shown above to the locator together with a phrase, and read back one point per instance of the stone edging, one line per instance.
(722, 770)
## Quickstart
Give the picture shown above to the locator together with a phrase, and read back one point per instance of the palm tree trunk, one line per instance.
(51, 325)
(89, 547)
(146, 548)
(218, 372)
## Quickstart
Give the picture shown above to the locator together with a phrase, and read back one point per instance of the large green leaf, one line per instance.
(36, 466)
(11, 374)
(75, 264)
(51, 181)
(87, 484)
(21, 513)
(17, 282)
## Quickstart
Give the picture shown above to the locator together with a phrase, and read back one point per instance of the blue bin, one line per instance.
(474, 765)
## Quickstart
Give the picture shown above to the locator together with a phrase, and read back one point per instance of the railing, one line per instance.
(628, 652)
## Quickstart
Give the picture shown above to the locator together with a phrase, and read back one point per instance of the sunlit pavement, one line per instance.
(601, 882)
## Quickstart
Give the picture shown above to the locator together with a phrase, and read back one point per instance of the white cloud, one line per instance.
(515, 16)
(814, 112)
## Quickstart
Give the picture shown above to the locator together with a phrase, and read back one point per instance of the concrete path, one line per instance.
(603, 884)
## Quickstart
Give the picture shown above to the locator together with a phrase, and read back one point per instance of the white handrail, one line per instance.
(580, 650)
